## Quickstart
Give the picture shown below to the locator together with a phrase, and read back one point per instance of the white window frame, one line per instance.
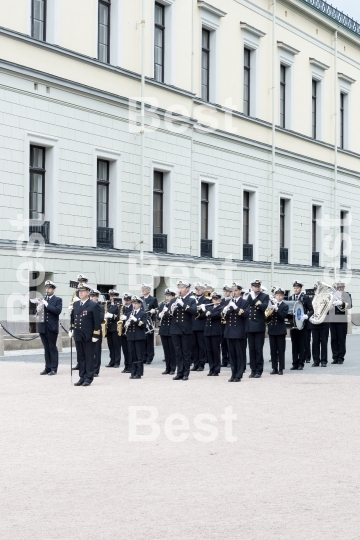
(213, 212)
(116, 31)
(288, 225)
(287, 59)
(115, 199)
(170, 40)
(169, 171)
(253, 221)
(347, 231)
(51, 144)
(319, 230)
(251, 40)
(345, 88)
(318, 74)
(52, 21)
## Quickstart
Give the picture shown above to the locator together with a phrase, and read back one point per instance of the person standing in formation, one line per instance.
(127, 309)
(258, 302)
(94, 296)
(298, 337)
(49, 310)
(235, 314)
(135, 328)
(164, 316)
(86, 329)
(198, 327)
(227, 296)
(182, 309)
(113, 339)
(150, 307)
(80, 279)
(277, 332)
(339, 323)
(213, 333)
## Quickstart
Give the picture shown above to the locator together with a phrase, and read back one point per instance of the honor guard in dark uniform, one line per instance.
(127, 309)
(213, 333)
(86, 329)
(49, 310)
(81, 278)
(227, 296)
(277, 331)
(257, 304)
(235, 314)
(151, 309)
(198, 349)
(94, 296)
(298, 337)
(182, 310)
(164, 316)
(135, 328)
(339, 323)
(320, 338)
(112, 314)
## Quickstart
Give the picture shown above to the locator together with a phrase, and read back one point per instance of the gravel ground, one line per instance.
(69, 471)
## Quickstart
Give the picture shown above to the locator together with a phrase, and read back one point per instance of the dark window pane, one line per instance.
(159, 14)
(38, 19)
(205, 65)
(204, 191)
(158, 180)
(104, 32)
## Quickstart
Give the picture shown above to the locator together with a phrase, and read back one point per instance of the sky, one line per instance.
(349, 7)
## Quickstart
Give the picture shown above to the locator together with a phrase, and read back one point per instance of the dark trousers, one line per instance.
(338, 340)
(320, 338)
(277, 351)
(307, 343)
(182, 346)
(149, 351)
(85, 359)
(298, 346)
(97, 356)
(169, 353)
(213, 345)
(256, 344)
(125, 350)
(237, 356)
(136, 352)
(51, 353)
(224, 351)
(199, 352)
(114, 343)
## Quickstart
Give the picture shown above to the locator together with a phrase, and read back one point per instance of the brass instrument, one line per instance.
(322, 302)
(104, 323)
(120, 323)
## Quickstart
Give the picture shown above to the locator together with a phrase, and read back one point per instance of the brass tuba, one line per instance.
(322, 302)
(104, 323)
(120, 323)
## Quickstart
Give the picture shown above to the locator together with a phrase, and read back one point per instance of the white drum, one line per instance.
(298, 314)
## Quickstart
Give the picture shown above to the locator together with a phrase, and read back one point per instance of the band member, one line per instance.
(81, 278)
(235, 313)
(151, 309)
(199, 351)
(127, 309)
(182, 309)
(135, 328)
(213, 333)
(94, 296)
(277, 332)
(257, 304)
(227, 296)
(298, 337)
(113, 339)
(86, 329)
(320, 336)
(49, 310)
(164, 316)
(339, 323)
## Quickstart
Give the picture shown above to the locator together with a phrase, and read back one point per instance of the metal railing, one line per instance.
(248, 252)
(40, 227)
(160, 243)
(284, 255)
(206, 248)
(334, 14)
(315, 258)
(105, 237)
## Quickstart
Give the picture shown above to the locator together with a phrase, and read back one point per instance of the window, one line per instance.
(342, 120)
(103, 193)
(313, 228)
(343, 223)
(282, 223)
(38, 19)
(104, 31)
(247, 81)
(204, 211)
(37, 183)
(158, 219)
(282, 96)
(205, 65)
(246, 217)
(159, 54)
(314, 108)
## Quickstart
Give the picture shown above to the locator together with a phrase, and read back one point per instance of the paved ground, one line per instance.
(69, 471)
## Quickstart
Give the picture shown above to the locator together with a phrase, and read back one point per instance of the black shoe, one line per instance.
(76, 368)
(335, 362)
(323, 364)
(252, 375)
(109, 365)
(293, 367)
(185, 378)
(194, 369)
(231, 379)
(315, 364)
(96, 374)
(52, 373)
(257, 376)
(137, 377)
(131, 377)
(44, 372)
(177, 378)
(126, 371)
(210, 374)
(148, 362)
(171, 372)
(281, 372)
(200, 368)
(224, 364)
(274, 372)
(117, 366)
(215, 374)
(300, 368)
(236, 379)
(86, 383)
(308, 361)
(340, 361)
(166, 373)
(79, 383)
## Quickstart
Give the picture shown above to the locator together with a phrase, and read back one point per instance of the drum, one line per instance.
(289, 319)
(298, 314)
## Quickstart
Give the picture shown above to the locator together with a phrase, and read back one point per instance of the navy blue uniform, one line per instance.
(256, 327)
(136, 342)
(48, 329)
(98, 346)
(113, 339)
(86, 324)
(277, 336)
(299, 338)
(235, 333)
(198, 349)
(166, 339)
(127, 360)
(338, 329)
(181, 332)
(213, 334)
(149, 352)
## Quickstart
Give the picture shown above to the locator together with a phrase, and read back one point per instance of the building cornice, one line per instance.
(345, 78)
(318, 64)
(252, 30)
(211, 9)
(283, 46)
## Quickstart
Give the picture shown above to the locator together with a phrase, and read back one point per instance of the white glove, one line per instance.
(71, 333)
(337, 303)
(109, 315)
(152, 311)
(123, 317)
(304, 318)
(45, 302)
(180, 302)
(70, 308)
(232, 304)
(165, 309)
(203, 307)
(276, 307)
(132, 318)
(94, 339)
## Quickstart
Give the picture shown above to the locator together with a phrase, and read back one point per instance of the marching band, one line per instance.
(198, 327)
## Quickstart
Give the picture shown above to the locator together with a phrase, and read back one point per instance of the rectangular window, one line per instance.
(314, 108)
(38, 19)
(104, 31)
(246, 217)
(342, 120)
(103, 184)
(282, 96)
(313, 228)
(343, 223)
(282, 223)
(159, 53)
(37, 183)
(205, 65)
(158, 218)
(247, 81)
(204, 211)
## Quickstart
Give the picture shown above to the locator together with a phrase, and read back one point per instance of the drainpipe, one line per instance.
(336, 144)
(142, 135)
(273, 156)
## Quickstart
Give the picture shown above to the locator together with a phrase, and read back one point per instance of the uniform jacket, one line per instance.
(277, 326)
(308, 309)
(112, 323)
(49, 316)
(136, 330)
(213, 326)
(86, 320)
(165, 321)
(182, 317)
(151, 303)
(199, 319)
(256, 319)
(235, 327)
